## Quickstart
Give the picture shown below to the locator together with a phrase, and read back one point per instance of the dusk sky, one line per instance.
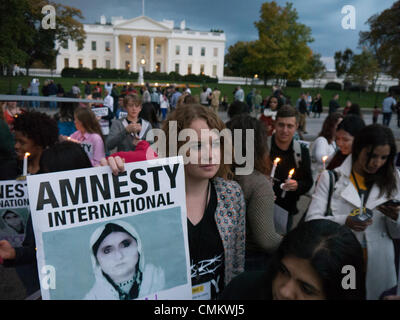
(236, 17)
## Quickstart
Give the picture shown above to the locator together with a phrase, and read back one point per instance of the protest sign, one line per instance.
(101, 236)
(100, 112)
(14, 211)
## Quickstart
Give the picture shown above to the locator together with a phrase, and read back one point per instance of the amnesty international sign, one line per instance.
(101, 236)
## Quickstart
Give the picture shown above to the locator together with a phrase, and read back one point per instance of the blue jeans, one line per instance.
(35, 104)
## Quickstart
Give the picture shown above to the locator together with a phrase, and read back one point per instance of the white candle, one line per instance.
(25, 167)
(274, 167)
(291, 172)
(324, 158)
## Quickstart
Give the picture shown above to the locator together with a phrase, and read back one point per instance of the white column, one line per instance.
(151, 54)
(169, 55)
(134, 62)
(116, 52)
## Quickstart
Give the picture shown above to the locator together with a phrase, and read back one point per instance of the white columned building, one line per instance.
(124, 43)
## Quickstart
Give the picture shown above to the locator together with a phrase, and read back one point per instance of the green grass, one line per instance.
(365, 100)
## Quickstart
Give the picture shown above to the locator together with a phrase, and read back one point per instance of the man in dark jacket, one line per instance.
(333, 104)
(293, 155)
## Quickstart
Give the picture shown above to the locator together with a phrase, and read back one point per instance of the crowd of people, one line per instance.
(349, 171)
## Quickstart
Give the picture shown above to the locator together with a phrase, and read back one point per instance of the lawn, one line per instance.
(365, 99)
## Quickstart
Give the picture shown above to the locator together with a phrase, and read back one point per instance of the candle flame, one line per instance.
(69, 138)
(291, 172)
(324, 158)
(276, 161)
(27, 154)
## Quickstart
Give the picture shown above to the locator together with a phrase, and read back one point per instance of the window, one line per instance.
(177, 50)
(65, 46)
(66, 63)
(202, 69)
(143, 49)
(177, 67)
(203, 51)
(190, 51)
(108, 46)
(158, 66)
(127, 65)
(214, 72)
(189, 70)
(80, 63)
(158, 49)
(94, 45)
(127, 47)
(94, 64)
(108, 64)
(215, 52)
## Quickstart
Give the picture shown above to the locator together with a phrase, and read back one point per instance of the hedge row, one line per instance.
(101, 73)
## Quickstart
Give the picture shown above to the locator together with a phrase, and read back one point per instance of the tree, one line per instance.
(363, 69)
(282, 48)
(343, 62)
(234, 59)
(23, 40)
(384, 39)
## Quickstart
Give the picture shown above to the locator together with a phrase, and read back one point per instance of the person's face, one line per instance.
(344, 141)
(348, 103)
(121, 102)
(11, 105)
(273, 103)
(377, 159)
(297, 280)
(118, 255)
(78, 124)
(285, 129)
(133, 109)
(24, 144)
(13, 220)
(204, 153)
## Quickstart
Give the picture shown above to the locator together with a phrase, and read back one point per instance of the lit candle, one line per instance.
(324, 158)
(25, 167)
(276, 161)
(291, 172)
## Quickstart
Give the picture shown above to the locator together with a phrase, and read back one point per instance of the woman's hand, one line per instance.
(357, 225)
(290, 185)
(7, 252)
(117, 164)
(390, 211)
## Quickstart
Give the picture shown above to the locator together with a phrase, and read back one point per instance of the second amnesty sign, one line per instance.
(101, 236)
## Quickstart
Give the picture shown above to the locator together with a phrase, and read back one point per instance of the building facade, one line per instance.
(142, 41)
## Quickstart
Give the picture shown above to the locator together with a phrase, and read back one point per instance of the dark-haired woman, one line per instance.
(308, 265)
(261, 236)
(366, 180)
(34, 132)
(346, 130)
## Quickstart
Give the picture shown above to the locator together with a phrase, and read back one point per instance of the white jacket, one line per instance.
(381, 273)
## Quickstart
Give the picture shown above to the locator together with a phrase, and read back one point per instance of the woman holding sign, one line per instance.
(363, 199)
(119, 265)
(215, 205)
(89, 134)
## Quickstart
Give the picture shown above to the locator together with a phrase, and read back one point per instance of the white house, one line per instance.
(157, 46)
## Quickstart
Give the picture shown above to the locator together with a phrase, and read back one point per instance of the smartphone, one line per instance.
(392, 203)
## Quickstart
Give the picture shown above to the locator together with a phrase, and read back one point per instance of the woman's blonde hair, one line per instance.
(184, 116)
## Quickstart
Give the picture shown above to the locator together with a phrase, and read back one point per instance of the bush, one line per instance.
(395, 90)
(293, 84)
(124, 74)
(333, 86)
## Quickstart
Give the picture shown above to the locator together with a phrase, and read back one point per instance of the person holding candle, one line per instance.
(261, 236)
(324, 145)
(34, 132)
(367, 179)
(292, 155)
